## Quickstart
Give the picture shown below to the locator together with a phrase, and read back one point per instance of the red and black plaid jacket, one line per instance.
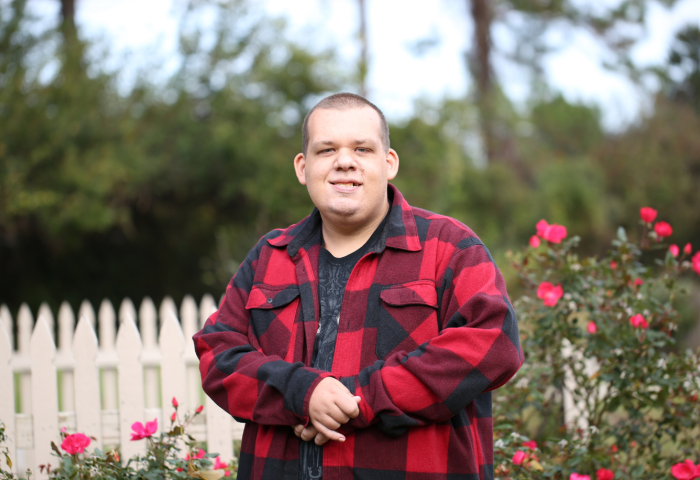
(426, 330)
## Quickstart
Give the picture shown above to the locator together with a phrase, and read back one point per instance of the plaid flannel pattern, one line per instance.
(426, 331)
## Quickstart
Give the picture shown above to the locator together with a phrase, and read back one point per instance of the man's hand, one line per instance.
(330, 406)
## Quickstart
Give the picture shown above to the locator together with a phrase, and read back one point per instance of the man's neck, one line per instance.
(341, 241)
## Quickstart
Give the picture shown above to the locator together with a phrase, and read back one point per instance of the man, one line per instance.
(362, 342)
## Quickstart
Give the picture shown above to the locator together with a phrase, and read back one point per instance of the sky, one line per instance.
(145, 32)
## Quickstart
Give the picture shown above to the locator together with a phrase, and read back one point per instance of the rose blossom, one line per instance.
(674, 250)
(663, 229)
(76, 443)
(549, 293)
(532, 445)
(638, 282)
(552, 233)
(534, 241)
(696, 262)
(604, 474)
(686, 470)
(199, 409)
(638, 321)
(175, 404)
(578, 476)
(173, 416)
(143, 431)
(592, 328)
(648, 214)
(613, 265)
(688, 249)
(519, 457)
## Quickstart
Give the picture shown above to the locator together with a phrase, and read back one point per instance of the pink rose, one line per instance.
(663, 229)
(199, 409)
(552, 233)
(648, 214)
(76, 443)
(696, 262)
(534, 241)
(549, 293)
(638, 321)
(577, 476)
(519, 457)
(592, 328)
(674, 250)
(686, 470)
(688, 249)
(638, 282)
(199, 454)
(140, 431)
(613, 265)
(175, 404)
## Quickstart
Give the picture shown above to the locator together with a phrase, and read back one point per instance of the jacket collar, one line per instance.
(399, 232)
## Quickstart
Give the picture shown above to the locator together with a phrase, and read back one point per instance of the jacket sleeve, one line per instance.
(242, 380)
(477, 350)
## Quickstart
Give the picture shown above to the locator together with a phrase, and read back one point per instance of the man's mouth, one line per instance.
(347, 184)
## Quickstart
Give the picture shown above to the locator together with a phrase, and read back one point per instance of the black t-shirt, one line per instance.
(333, 275)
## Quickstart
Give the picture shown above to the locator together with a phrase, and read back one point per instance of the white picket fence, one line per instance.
(100, 388)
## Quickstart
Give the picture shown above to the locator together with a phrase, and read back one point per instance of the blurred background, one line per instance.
(145, 146)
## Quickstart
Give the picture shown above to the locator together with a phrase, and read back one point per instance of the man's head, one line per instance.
(345, 101)
(347, 162)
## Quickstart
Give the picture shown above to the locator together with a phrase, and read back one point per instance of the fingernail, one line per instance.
(341, 439)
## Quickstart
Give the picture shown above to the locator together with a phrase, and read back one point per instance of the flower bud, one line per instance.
(175, 404)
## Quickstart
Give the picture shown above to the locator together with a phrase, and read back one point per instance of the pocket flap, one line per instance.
(267, 297)
(420, 292)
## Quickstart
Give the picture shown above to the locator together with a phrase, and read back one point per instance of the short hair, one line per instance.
(345, 101)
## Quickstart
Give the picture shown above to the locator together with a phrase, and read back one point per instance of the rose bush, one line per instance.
(603, 392)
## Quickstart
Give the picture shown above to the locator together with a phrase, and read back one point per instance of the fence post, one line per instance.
(22, 361)
(45, 396)
(188, 317)
(86, 310)
(172, 370)
(107, 356)
(126, 308)
(45, 311)
(7, 396)
(150, 356)
(131, 399)
(88, 407)
(65, 362)
(206, 308)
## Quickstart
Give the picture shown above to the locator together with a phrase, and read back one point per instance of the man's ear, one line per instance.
(300, 168)
(392, 160)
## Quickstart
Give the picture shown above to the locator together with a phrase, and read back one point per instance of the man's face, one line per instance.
(346, 168)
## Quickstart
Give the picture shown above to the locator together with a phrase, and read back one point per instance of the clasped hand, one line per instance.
(330, 406)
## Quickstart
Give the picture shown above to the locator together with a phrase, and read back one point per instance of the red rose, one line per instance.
(199, 409)
(686, 470)
(687, 249)
(604, 474)
(663, 229)
(534, 241)
(175, 404)
(638, 282)
(674, 250)
(592, 328)
(532, 445)
(519, 457)
(648, 214)
(613, 265)
(552, 233)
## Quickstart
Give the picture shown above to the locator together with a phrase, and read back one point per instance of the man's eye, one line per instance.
(363, 150)
(326, 150)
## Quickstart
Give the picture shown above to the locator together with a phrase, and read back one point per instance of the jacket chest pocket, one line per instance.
(273, 311)
(407, 317)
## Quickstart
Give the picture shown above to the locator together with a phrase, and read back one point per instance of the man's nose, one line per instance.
(345, 160)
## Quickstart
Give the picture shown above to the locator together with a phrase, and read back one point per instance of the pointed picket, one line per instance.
(188, 317)
(87, 382)
(6, 318)
(107, 356)
(86, 310)
(45, 395)
(22, 362)
(150, 357)
(45, 311)
(166, 306)
(172, 370)
(127, 308)
(206, 308)
(7, 395)
(65, 362)
(131, 399)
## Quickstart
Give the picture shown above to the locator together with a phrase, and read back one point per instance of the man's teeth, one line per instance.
(346, 184)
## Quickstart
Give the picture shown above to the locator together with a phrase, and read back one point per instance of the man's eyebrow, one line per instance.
(322, 142)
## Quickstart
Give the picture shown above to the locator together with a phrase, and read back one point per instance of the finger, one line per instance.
(349, 407)
(321, 439)
(298, 429)
(308, 433)
(330, 434)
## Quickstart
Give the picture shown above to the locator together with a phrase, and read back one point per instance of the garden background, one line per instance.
(130, 179)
